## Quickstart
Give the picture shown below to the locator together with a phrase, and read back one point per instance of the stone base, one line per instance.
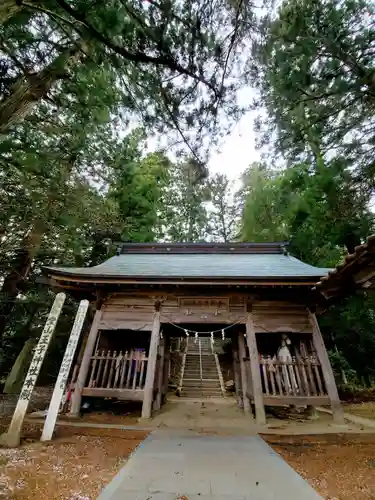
(312, 413)
(10, 440)
(73, 416)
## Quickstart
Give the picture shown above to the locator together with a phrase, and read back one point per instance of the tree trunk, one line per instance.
(27, 91)
(20, 270)
(27, 251)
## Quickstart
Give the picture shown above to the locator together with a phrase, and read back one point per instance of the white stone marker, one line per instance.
(58, 392)
(11, 438)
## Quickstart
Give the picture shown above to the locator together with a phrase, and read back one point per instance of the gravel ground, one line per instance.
(339, 467)
(39, 401)
(74, 466)
(366, 410)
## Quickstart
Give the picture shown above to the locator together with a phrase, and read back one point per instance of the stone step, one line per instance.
(203, 390)
(197, 383)
(199, 394)
(199, 388)
(192, 355)
(195, 363)
(204, 368)
(196, 359)
(197, 373)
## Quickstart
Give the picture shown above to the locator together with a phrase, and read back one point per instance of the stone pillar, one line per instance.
(62, 378)
(151, 364)
(242, 355)
(16, 377)
(85, 364)
(329, 379)
(12, 437)
(255, 372)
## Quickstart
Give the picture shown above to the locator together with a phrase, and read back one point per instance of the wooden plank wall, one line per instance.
(121, 311)
(125, 311)
(280, 317)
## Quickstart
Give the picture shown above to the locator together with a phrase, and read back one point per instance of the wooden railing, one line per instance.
(117, 370)
(299, 378)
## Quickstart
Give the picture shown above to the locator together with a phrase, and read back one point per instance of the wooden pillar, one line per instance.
(85, 364)
(166, 368)
(242, 355)
(321, 351)
(12, 437)
(62, 378)
(160, 374)
(151, 364)
(260, 414)
(236, 370)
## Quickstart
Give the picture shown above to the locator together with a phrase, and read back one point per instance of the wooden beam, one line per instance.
(85, 364)
(295, 400)
(337, 412)
(166, 368)
(365, 274)
(151, 365)
(260, 414)
(236, 372)
(242, 355)
(159, 384)
(124, 394)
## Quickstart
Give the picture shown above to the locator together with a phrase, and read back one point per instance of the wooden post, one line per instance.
(151, 364)
(242, 355)
(12, 437)
(166, 367)
(236, 370)
(337, 412)
(62, 378)
(85, 364)
(255, 372)
(157, 404)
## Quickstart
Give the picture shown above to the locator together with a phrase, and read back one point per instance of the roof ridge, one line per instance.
(203, 247)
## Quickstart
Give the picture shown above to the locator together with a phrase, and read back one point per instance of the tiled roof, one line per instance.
(203, 264)
(356, 271)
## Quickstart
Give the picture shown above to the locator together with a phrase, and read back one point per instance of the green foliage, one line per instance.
(183, 216)
(350, 325)
(265, 209)
(314, 68)
(320, 212)
(136, 186)
(170, 64)
(225, 211)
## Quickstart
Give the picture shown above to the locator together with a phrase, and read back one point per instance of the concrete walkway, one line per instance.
(189, 466)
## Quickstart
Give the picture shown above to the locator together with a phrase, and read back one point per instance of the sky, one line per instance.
(237, 151)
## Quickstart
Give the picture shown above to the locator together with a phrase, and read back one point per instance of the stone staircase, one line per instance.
(194, 385)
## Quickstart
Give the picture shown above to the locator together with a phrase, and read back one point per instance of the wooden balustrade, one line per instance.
(117, 374)
(299, 381)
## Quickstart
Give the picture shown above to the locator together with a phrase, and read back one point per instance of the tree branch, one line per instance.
(137, 57)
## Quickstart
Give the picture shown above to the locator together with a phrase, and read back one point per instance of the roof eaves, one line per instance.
(187, 279)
